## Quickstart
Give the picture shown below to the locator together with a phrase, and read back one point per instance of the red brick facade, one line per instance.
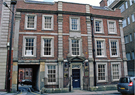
(71, 10)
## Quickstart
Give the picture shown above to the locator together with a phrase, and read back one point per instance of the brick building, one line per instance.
(128, 12)
(24, 73)
(68, 44)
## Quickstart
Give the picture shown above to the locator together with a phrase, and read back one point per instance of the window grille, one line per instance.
(47, 47)
(75, 47)
(29, 46)
(51, 73)
(101, 72)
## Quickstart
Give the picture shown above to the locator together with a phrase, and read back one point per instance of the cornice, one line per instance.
(68, 13)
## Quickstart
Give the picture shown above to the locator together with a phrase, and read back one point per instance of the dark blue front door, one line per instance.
(76, 78)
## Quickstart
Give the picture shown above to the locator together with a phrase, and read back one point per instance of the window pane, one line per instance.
(47, 23)
(124, 23)
(130, 37)
(29, 46)
(51, 73)
(100, 48)
(133, 18)
(109, 2)
(128, 56)
(126, 4)
(122, 8)
(47, 46)
(75, 47)
(115, 68)
(126, 39)
(124, 80)
(30, 21)
(131, 2)
(133, 56)
(98, 26)
(114, 48)
(128, 20)
(74, 24)
(111, 27)
(101, 72)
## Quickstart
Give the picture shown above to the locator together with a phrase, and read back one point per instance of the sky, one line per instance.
(90, 2)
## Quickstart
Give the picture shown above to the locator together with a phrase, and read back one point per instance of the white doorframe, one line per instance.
(77, 66)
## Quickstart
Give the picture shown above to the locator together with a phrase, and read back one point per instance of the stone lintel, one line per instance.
(28, 61)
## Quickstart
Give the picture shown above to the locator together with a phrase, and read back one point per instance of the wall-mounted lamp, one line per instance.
(86, 64)
(66, 64)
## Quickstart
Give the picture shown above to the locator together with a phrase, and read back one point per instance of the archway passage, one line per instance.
(28, 77)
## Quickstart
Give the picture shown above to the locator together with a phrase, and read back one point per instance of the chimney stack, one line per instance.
(103, 3)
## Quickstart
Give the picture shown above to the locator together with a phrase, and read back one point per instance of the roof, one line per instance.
(38, 2)
(101, 8)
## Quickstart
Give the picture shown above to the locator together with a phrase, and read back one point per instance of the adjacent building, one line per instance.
(25, 74)
(68, 45)
(127, 8)
(4, 42)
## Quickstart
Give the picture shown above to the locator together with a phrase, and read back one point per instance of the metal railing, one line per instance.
(87, 82)
(55, 83)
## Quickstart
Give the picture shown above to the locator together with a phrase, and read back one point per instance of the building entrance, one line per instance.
(76, 78)
(28, 75)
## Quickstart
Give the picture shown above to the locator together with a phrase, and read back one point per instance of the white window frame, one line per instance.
(102, 29)
(117, 63)
(115, 28)
(46, 74)
(110, 40)
(24, 43)
(104, 47)
(35, 21)
(43, 22)
(106, 71)
(42, 46)
(78, 23)
(80, 44)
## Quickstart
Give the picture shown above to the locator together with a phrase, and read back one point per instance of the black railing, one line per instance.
(56, 82)
(87, 82)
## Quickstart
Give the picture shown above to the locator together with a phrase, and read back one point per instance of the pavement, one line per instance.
(74, 92)
(84, 92)
(5, 93)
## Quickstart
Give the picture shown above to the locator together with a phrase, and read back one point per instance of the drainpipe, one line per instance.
(93, 50)
(13, 3)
